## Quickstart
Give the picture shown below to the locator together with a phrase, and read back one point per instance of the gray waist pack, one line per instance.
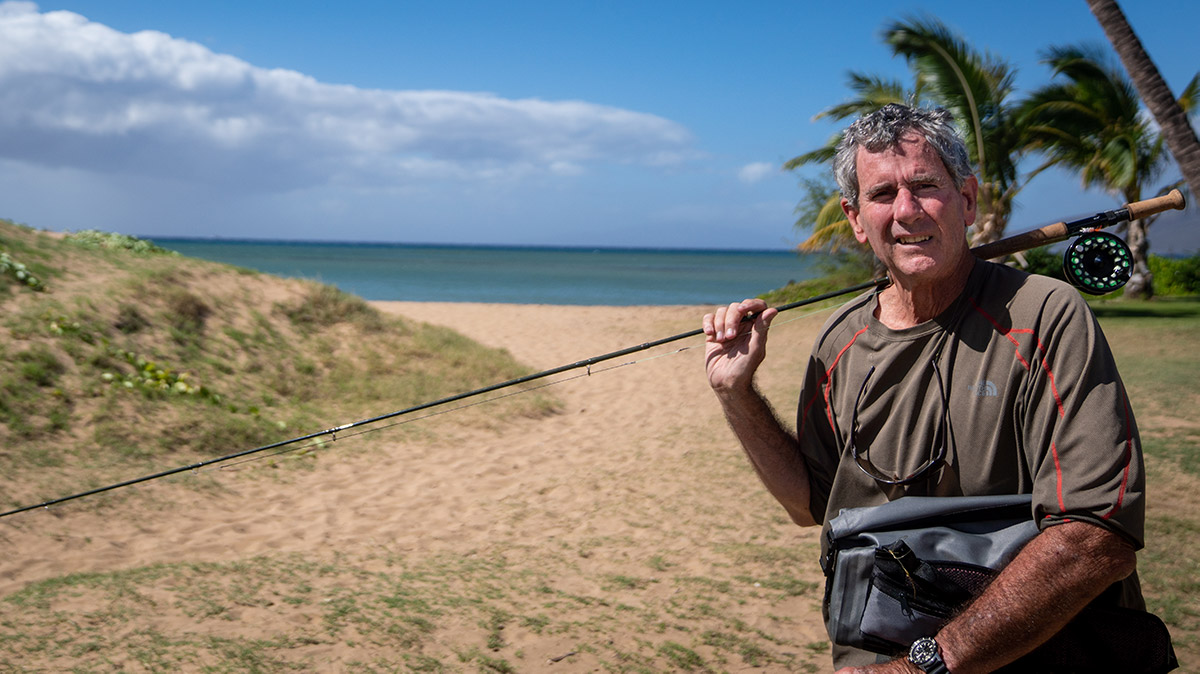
(898, 571)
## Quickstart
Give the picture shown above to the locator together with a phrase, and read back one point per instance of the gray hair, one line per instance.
(883, 129)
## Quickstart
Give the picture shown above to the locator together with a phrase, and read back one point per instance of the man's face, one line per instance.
(910, 211)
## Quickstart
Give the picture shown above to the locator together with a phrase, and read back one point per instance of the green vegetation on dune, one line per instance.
(125, 357)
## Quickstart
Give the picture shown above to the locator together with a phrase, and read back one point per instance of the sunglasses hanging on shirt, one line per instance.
(942, 437)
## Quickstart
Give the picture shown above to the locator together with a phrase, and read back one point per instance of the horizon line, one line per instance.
(521, 246)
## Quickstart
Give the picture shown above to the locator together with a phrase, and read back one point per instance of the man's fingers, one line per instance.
(714, 325)
(726, 323)
(753, 305)
(733, 321)
(767, 316)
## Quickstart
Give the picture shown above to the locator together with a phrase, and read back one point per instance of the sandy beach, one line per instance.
(635, 477)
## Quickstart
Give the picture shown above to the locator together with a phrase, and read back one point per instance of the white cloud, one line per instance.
(752, 173)
(78, 94)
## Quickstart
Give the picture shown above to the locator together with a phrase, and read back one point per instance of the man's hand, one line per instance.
(735, 348)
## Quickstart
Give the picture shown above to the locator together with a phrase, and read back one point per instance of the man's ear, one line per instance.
(860, 233)
(970, 194)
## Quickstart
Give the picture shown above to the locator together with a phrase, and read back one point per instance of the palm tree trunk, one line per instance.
(1141, 282)
(990, 224)
(1181, 138)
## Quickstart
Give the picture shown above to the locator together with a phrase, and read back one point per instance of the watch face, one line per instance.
(924, 651)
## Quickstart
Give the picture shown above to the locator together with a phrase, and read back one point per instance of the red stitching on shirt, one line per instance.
(1007, 334)
(1128, 459)
(1062, 413)
(824, 383)
(1062, 507)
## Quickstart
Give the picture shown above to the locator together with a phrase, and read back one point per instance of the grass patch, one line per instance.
(1155, 344)
(324, 306)
(1171, 572)
(810, 288)
(397, 617)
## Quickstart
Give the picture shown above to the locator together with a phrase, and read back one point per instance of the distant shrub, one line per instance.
(39, 366)
(1045, 262)
(130, 319)
(325, 305)
(94, 239)
(1176, 276)
(18, 272)
(187, 311)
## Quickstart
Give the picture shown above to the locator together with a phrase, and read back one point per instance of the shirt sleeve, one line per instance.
(1080, 436)
(817, 437)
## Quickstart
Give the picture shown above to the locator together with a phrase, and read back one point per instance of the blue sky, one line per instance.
(619, 123)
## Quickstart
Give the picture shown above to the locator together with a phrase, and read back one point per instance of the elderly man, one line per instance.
(960, 378)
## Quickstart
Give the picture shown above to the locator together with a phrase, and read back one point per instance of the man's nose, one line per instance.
(906, 207)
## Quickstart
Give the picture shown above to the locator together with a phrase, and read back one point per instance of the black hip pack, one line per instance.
(899, 571)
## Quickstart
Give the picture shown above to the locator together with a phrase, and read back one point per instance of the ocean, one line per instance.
(519, 275)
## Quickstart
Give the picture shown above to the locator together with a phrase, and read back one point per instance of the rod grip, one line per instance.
(1015, 244)
(1140, 209)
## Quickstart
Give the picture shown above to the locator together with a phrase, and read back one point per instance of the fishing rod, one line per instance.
(1096, 262)
(1097, 265)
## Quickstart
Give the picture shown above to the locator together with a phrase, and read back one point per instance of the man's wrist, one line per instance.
(926, 655)
(737, 394)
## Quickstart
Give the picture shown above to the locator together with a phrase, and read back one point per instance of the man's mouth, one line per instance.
(913, 239)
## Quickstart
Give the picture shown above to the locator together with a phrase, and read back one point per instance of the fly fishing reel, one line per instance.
(1098, 263)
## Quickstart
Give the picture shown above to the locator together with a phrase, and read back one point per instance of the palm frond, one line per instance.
(1091, 121)
(820, 211)
(821, 155)
(973, 86)
(870, 93)
(1189, 100)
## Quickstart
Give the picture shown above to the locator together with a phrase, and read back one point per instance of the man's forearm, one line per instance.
(1057, 574)
(773, 451)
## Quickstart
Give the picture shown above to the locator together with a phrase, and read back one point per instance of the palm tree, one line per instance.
(1179, 134)
(976, 88)
(948, 73)
(821, 209)
(1092, 123)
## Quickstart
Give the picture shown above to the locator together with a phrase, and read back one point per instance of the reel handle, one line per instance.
(1061, 231)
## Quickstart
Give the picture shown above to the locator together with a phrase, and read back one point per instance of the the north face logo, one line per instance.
(984, 389)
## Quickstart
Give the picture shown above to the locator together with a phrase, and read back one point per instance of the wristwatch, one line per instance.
(925, 654)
